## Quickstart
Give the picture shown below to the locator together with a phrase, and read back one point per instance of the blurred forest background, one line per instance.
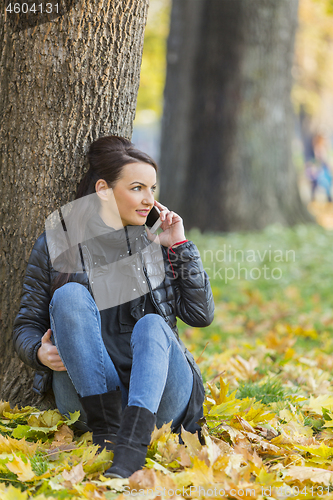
(305, 30)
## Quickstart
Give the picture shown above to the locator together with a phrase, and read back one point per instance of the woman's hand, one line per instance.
(172, 226)
(48, 354)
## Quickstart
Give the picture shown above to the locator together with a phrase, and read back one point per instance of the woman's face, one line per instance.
(132, 197)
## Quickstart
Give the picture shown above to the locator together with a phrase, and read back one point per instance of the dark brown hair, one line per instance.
(107, 156)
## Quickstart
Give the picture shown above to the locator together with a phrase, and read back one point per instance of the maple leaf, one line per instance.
(234, 464)
(249, 456)
(151, 482)
(48, 419)
(161, 434)
(244, 424)
(267, 431)
(4, 406)
(73, 476)
(17, 413)
(12, 493)
(64, 435)
(142, 479)
(242, 369)
(8, 445)
(267, 447)
(199, 475)
(23, 470)
(185, 458)
(294, 459)
(315, 475)
(73, 417)
(233, 433)
(266, 478)
(321, 451)
(279, 343)
(226, 409)
(152, 464)
(258, 414)
(94, 463)
(220, 396)
(213, 450)
(316, 405)
(169, 450)
(191, 441)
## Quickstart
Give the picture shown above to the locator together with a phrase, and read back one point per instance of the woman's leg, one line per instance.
(76, 327)
(66, 398)
(161, 377)
(161, 382)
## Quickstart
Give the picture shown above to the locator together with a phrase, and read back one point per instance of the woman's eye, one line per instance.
(139, 187)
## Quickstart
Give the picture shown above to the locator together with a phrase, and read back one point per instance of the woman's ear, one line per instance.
(101, 188)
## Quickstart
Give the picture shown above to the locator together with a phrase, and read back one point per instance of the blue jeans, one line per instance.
(161, 377)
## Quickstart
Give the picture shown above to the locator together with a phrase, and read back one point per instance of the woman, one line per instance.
(121, 363)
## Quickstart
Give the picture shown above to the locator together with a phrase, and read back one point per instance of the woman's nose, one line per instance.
(148, 199)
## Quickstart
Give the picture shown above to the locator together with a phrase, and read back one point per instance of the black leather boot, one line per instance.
(133, 438)
(103, 417)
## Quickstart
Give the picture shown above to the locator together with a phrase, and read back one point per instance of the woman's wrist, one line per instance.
(178, 243)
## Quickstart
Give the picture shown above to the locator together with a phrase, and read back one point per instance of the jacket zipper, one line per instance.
(146, 275)
(90, 263)
(151, 293)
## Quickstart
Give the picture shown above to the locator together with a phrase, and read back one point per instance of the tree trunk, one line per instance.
(65, 81)
(227, 125)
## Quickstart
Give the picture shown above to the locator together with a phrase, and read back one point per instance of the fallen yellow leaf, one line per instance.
(75, 475)
(23, 470)
(315, 475)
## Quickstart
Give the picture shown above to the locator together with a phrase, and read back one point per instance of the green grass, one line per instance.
(302, 295)
(270, 391)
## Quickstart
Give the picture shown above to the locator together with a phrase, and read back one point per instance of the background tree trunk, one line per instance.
(64, 83)
(227, 124)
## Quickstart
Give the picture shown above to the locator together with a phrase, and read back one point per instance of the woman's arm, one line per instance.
(194, 297)
(32, 320)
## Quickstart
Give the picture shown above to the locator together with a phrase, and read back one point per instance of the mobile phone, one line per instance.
(153, 220)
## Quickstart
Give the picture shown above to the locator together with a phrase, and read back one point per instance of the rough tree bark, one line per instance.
(227, 125)
(65, 80)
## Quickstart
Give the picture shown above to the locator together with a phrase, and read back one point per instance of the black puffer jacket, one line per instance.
(185, 292)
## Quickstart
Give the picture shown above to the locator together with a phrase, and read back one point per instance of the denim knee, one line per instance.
(71, 293)
(150, 326)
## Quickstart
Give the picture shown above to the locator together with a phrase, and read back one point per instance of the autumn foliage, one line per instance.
(267, 364)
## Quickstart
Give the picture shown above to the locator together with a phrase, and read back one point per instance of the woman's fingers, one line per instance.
(47, 337)
(49, 356)
(166, 214)
(163, 209)
(160, 206)
(171, 218)
(172, 226)
(58, 367)
(54, 359)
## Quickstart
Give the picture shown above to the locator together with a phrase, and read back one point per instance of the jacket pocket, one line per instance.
(126, 322)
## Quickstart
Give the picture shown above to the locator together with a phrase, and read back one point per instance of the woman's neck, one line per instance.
(113, 222)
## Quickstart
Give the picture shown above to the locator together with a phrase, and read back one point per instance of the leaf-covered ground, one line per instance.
(267, 363)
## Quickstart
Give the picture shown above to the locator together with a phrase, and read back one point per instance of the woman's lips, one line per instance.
(144, 213)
